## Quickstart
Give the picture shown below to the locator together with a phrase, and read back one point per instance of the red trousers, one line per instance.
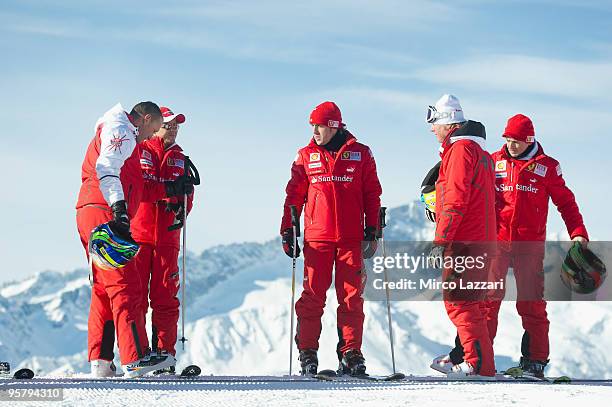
(319, 261)
(158, 268)
(527, 261)
(115, 301)
(467, 311)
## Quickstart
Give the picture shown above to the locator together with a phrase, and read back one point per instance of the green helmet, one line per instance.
(582, 271)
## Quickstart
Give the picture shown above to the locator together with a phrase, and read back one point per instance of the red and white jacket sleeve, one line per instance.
(564, 200)
(117, 144)
(459, 171)
(297, 190)
(371, 191)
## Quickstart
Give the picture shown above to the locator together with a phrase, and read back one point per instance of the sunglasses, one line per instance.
(433, 115)
(168, 126)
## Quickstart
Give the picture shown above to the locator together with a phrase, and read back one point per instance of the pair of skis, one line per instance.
(332, 375)
(188, 372)
(517, 373)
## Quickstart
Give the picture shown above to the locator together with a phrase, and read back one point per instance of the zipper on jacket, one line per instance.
(333, 166)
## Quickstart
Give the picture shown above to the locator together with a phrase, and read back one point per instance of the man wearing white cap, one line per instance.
(163, 163)
(465, 226)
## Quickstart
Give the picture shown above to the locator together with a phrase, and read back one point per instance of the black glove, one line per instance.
(120, 224)
(435, 258)
(430, 215)
(179, 187)
(370, 244)
(288, 243)
(177, 208)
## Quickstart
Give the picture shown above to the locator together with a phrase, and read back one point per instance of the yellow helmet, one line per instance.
(428, 190)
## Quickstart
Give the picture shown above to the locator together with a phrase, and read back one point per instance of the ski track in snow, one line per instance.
(253, 392)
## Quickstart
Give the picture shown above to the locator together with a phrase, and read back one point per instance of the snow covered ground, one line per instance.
(261, 393)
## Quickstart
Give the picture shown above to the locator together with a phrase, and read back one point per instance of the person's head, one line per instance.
(147, 118)
(519, 134)
(169, 129)
(326, 120)
(445, 116)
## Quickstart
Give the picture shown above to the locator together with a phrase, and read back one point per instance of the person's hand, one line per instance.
(583, 241)
(177, 208)
(430, 215)
(179, 187)
(288, 240)
(435, 258)
(370, 244)
(120, 224)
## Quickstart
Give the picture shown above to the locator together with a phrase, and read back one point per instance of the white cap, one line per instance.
(449, 109)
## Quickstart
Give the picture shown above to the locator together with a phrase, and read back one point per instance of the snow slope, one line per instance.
(238, 302)
(259, 393)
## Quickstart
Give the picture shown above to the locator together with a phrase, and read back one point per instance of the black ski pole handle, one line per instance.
(382, 220)
(295, 220)
(190, 167)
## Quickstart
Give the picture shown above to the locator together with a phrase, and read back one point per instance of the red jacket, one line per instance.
(465, 190)
(117, 141)
(153, 218)
(338, 192)
(523, 189)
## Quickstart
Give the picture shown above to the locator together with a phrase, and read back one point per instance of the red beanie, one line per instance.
(520, 127)
(327, 114)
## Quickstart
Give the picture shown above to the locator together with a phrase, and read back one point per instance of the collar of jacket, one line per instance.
(350, 139)
(471, 130)
(174, 146)
(535, 153)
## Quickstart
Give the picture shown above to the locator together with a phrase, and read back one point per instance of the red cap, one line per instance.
(520, 127)
(169, 116)
(327, 114)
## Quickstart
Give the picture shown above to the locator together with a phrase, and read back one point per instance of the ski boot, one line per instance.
(352, 363)
(170, 370)
(5, 369)
(442, 364)
(528, 367)
(103, 368)
(465, 371)
(149, 363)
(309, 362)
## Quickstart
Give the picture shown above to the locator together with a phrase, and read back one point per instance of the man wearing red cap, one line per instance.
(111, 191)
(335, 177)
(526, 178)
(163, 163)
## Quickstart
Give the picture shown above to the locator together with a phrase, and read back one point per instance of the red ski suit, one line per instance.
(158, 255)
(111, 172)
(465, 214)
(524, 187)
(341, 194)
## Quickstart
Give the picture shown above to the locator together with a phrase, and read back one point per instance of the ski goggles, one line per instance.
(433, 115)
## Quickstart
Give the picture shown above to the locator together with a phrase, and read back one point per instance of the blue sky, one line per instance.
(247, 73)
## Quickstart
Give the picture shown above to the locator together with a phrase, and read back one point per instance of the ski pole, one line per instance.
(381, 225)
(295, 223)
(188, 168)
(183, 339)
